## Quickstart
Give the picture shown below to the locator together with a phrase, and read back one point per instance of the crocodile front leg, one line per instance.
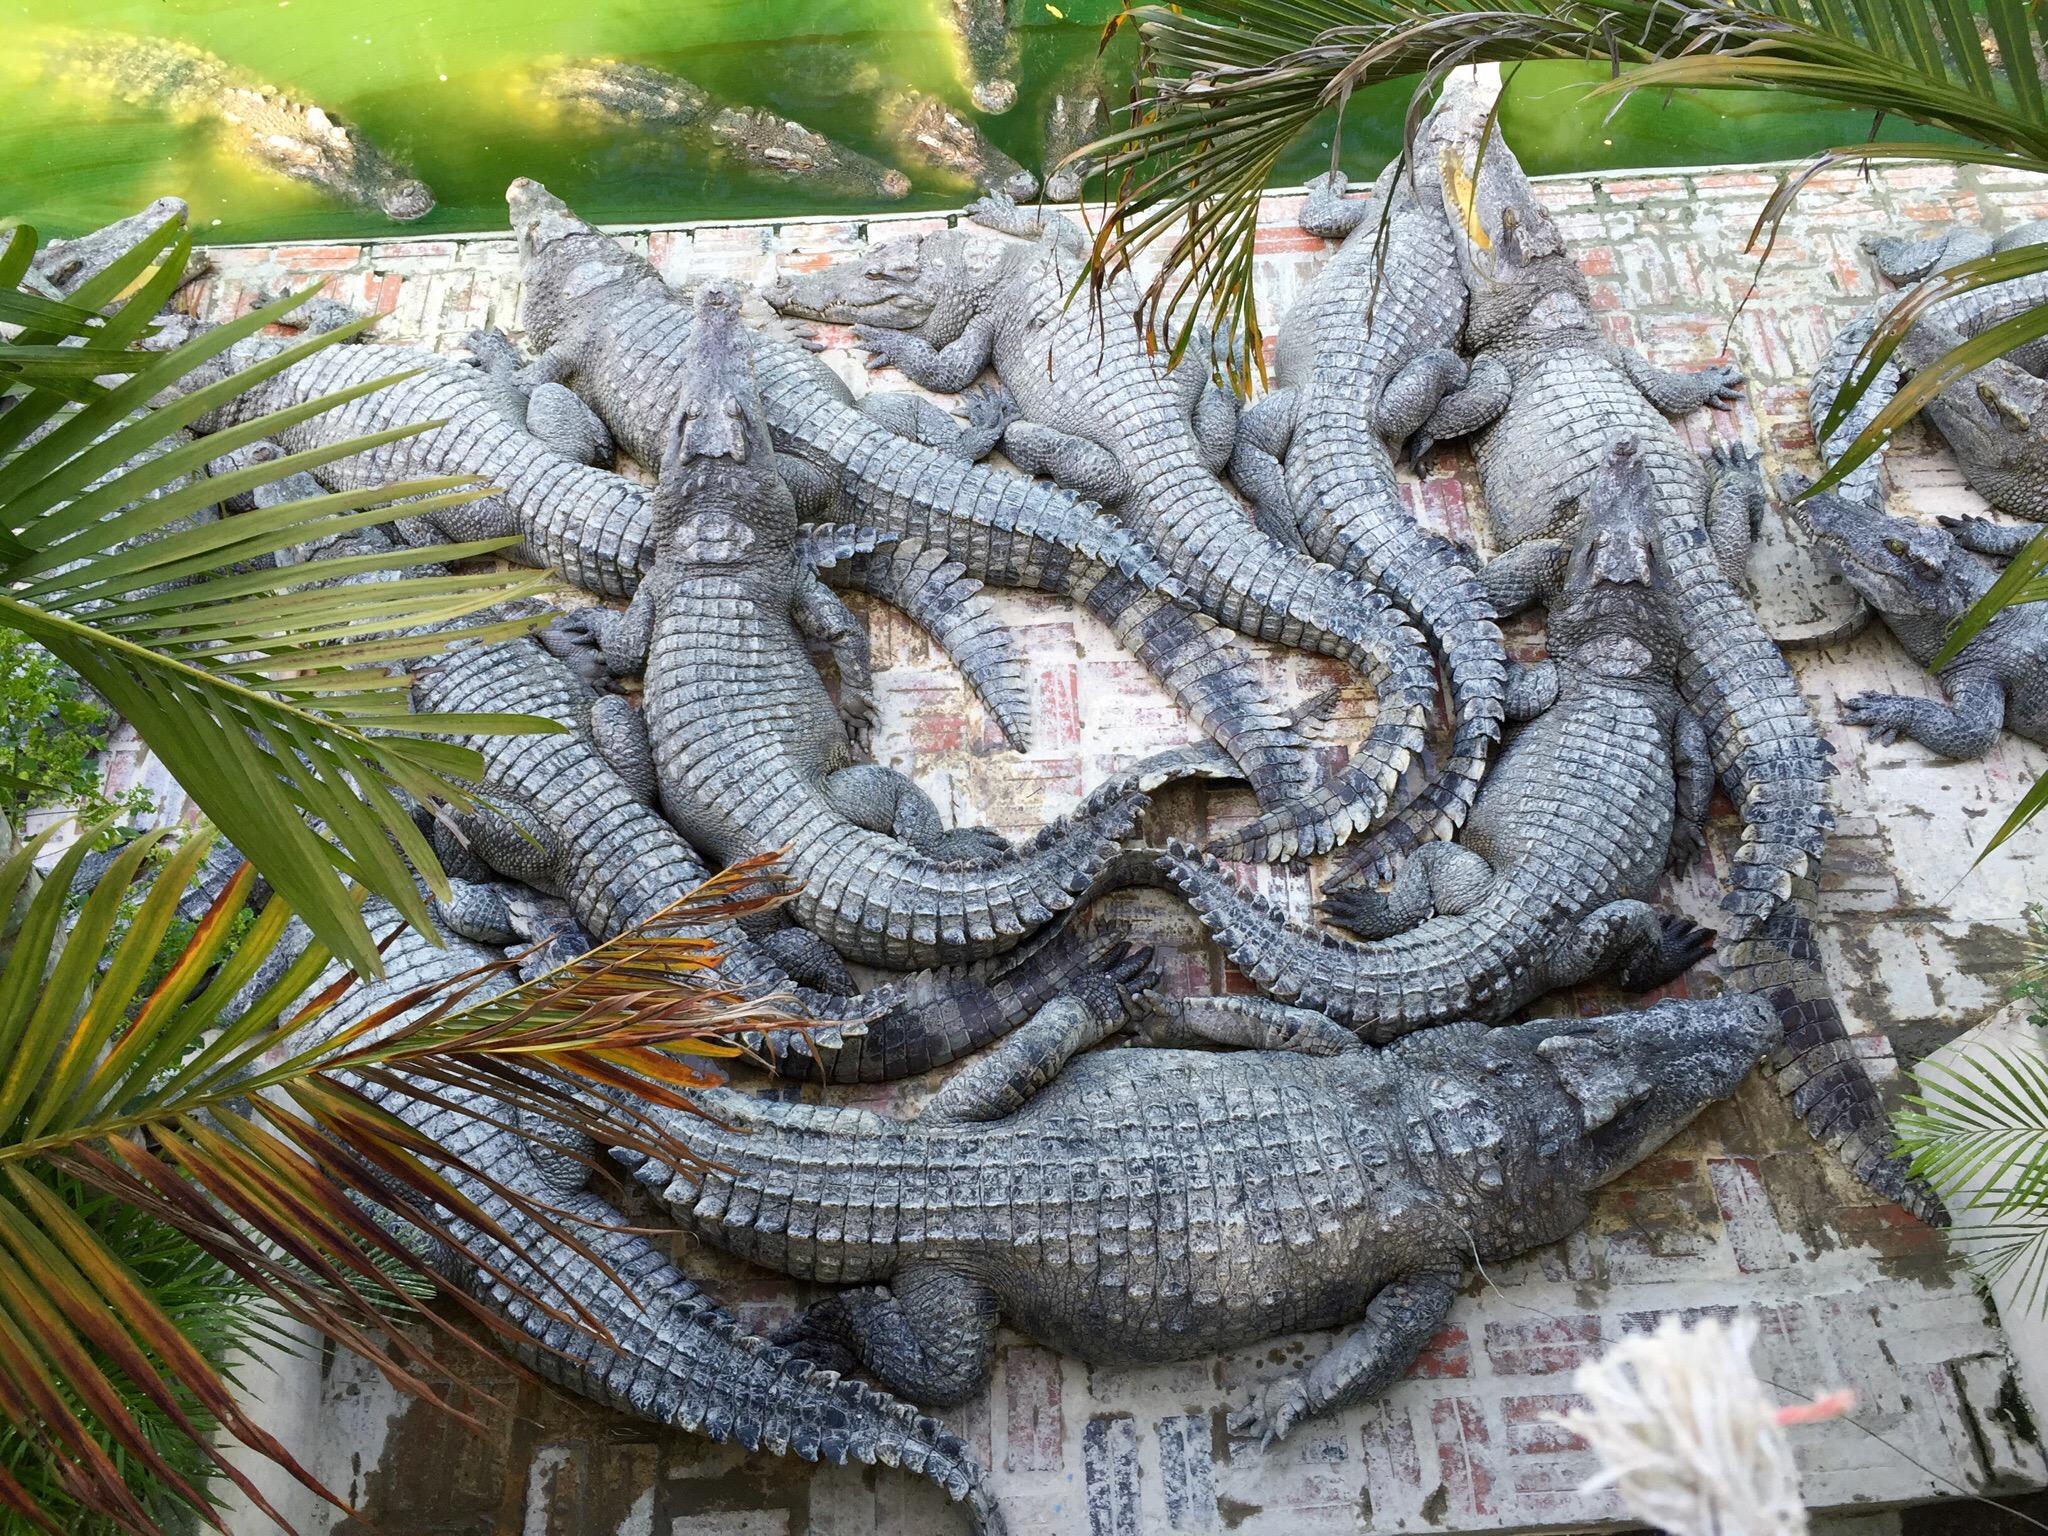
(988, 410)
(1437, 879)
(1413, 395)
(1735, 509)
(1631, 941)
(947, 369)
(1326, 211)
(808, 959)
(823, 618)
(1483, 396)
(1674, 391)
(883, 800)
(1399, 1321)
(1994, 541)
(1085, 468)
(1248, 1024)
(1967, 726)
(929, 1335)
(1529, 574)
(1003, 1080)
(1212, 410)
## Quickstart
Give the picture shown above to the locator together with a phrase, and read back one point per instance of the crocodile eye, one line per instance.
(1896, 547)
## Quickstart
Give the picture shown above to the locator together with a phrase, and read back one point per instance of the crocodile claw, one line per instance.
(1281, 1405)
(1884, 715)
(1724, 381)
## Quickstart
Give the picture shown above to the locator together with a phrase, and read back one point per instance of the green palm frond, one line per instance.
(275, 697)
(1977, 1131)
(253, 1133)
(1225, 85)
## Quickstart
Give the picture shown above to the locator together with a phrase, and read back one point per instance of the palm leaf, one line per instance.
(272, 695)
(1977, 1131)
(251, 1132)
(1226, 85)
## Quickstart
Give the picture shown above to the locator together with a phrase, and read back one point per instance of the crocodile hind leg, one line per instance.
(1327, 212)
(1264, 429)
(1437, 879)
(1676, 391)
(988, 410)
(1903, 259)
(1632, 942)
(821, 616)
(883, 800)
(808, 959)
(1085, 468)
(1399, 1320)
(1530, 573)
(1472, 405)
(930, 1335)
(1735, 509)
(1967, 726)
(1003, 1079)
(1412, 396)
(1994, 541)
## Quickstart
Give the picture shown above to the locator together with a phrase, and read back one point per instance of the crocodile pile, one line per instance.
(1369, 1121)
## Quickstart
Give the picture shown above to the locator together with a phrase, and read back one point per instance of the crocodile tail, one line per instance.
(1817, 1067)
(880, 902)
(1210, 676)
(926, 1019)
(679, 1358)
(1450, 607)
(938, 595)
(1361, 628)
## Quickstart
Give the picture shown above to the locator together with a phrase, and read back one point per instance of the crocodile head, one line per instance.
(1634, 1080)
(897, 285)
(717, 406)
(406, 200)
(720, 500)
(1995, 419)
(1903, 568)
(562, 260)
(1610, 617)
(1522, 279)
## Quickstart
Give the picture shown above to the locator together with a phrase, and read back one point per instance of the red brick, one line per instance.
(1542, 1346)
(1448, 1354)
(1036, 1428)
(318, 257)
(1464, 1455)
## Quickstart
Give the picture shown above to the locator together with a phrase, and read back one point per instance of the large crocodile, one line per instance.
(752, 755)
(1149, 1205)
(1575, 393)
(1994, 418)
(613, 330)
(668, 1351)
(1077, 113)
(1920, 579)
(641, 98)
(266, 126)
(573, 815)
(1603, 788)
(929, 133)
(1366, 358)
(1103, 415)
(988, 50)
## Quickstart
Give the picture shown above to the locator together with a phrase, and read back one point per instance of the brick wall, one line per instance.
(1740, 1211)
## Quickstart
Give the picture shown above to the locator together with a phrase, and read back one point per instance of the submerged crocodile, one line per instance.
(1994, 418)
(1920, 579)
(636, 96)
(267, 127)
(1102, 415)
(1076, 115)
(929, 133)
(673, 1354)
(988, 49)
(615, 332)
(1150, 1205)
(1575, 393)
(1366, 358)
(750, 752)
(1603, 788)
(573, 816)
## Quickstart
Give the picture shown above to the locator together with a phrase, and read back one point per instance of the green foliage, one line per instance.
(1976, 1129)
(223, 1317)
(52, 730)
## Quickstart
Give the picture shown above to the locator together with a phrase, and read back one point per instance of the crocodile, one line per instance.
(265, 125)
(572, 815)
(930, 133)
(1076, 115)
(1992, 418)
(1148, 1205)
(667, 1350)
(616, 333)
(988, 50)
(1575, 393)
(1102, 415)
(1365, 358)
(621, 95)
(750, 752)
(1920, 579)
(1602, 789)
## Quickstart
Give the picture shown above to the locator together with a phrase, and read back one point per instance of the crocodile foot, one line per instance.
(1722, 383)
(1885, 715)
(969, 845)
(575, 638)
(1281, 1405)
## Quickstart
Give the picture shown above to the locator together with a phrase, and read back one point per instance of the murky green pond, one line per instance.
(448, 90)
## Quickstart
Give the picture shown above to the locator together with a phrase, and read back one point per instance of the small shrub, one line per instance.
(52, 730)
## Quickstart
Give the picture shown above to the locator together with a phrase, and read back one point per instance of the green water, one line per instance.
(440, 85)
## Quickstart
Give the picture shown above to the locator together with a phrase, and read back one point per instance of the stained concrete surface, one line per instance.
(1740, 1211)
